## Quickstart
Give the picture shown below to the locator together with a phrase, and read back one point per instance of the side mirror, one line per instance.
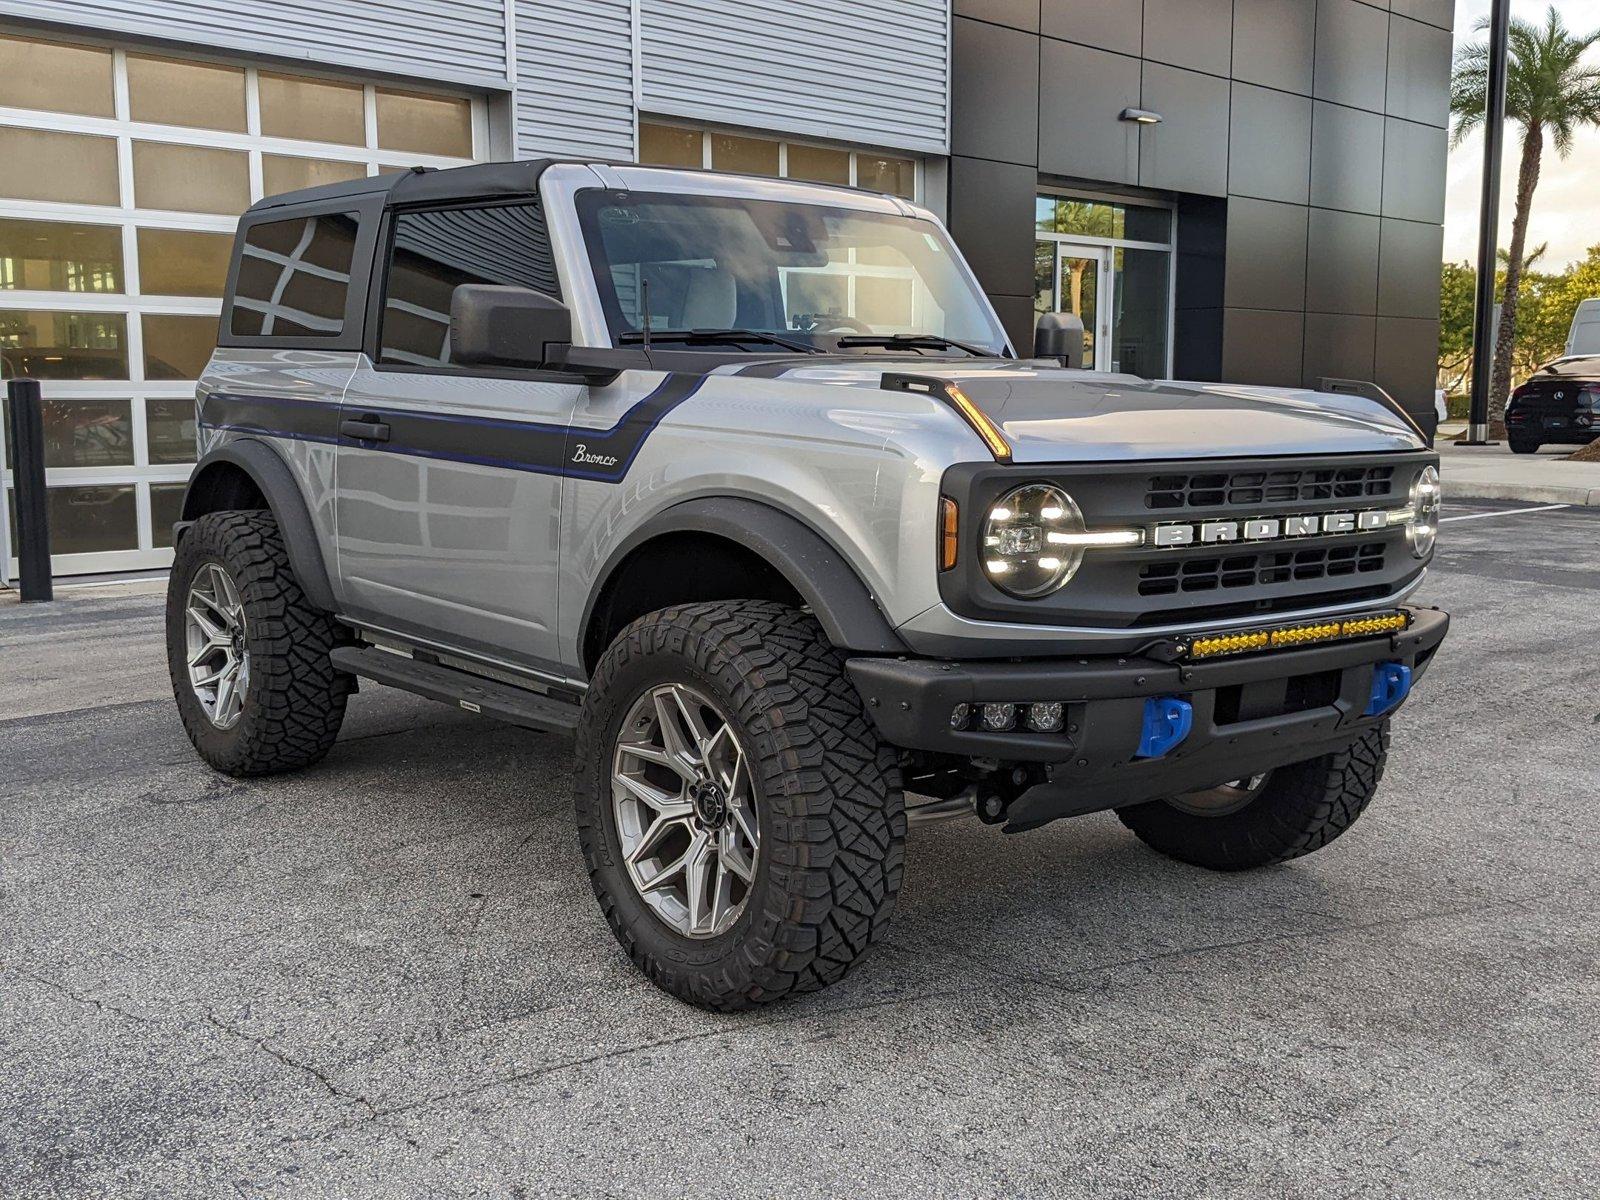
(494, 326)
(1059, 336)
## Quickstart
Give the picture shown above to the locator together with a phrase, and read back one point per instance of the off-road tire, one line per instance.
(1523, 445)
(1301, 808)
(295, 700)
(827, 793)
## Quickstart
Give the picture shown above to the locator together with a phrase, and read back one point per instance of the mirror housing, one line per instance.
(517, 327)
(1060, 336)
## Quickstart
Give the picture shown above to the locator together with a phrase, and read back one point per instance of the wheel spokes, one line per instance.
(684, 808)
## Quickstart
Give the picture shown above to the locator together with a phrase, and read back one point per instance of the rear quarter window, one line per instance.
(294, 277)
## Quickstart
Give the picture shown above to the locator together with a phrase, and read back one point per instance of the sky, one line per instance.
(1568, 199)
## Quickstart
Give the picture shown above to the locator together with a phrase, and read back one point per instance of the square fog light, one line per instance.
(1046, 716)
(997, 718)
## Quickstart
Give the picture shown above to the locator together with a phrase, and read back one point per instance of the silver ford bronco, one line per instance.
(743, 481)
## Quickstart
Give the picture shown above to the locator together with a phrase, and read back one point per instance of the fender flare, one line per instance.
(842, 603)
(283, 496)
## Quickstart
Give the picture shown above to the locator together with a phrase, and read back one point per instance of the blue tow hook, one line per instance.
(1167, 721)
(1391, 683)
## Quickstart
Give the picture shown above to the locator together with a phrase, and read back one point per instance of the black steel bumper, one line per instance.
(1251, 713)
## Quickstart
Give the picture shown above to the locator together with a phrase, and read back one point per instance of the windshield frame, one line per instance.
(618, 330)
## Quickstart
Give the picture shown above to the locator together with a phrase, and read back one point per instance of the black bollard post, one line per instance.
(25, 435)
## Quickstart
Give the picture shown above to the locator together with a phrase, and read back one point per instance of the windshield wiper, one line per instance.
(911, 341)
(725, 337)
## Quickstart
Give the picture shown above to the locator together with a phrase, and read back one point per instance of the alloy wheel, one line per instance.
(685, 811)
(1223, 799)
(214, 633)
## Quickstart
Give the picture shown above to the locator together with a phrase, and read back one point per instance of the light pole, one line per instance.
(1494, 137)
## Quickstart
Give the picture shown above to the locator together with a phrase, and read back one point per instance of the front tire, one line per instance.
(1290, 812)
(247, 652)
(722, 743)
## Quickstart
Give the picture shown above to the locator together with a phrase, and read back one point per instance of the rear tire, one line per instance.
(1297, 809)
(1523, 445)
(819, 787)
(290, 700)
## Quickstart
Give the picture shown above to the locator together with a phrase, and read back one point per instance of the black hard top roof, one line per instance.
(425, 184)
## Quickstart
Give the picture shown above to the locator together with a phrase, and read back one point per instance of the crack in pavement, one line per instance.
(261, 1043)
(537, 1073)
(1059, 982)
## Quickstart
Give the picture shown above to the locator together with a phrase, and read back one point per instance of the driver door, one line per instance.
(448, 485)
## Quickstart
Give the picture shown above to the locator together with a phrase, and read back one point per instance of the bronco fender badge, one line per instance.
(581, 454)
(1268, 529)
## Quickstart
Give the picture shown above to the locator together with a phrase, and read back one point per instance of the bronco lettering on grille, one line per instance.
(1266, 529)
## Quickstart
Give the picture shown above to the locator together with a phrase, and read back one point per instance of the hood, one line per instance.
(1051, 414)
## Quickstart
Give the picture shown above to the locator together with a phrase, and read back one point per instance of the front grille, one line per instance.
(1213, 489)
(1259, 569)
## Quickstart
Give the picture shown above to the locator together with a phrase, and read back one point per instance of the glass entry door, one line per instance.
(1109, 264)
(1082, 278)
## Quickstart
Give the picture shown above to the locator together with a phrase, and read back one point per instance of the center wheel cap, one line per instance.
(710, 806)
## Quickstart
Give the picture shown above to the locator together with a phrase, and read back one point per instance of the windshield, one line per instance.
(804, 272)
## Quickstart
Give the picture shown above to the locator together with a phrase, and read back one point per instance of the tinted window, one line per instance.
(1587, 366)
(435, 252)
(294, 276)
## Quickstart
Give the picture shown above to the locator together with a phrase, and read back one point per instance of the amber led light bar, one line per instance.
(1287, 637)
(977, 420)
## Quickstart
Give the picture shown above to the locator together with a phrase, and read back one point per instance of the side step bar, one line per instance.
(503, 701)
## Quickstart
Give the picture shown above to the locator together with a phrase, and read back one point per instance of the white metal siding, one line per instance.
(574, 78)
(448, 41)
(872, 72)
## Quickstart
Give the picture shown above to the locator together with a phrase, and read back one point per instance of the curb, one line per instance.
(1534, 494)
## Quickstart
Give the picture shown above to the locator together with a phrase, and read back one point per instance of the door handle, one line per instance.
(364, 429)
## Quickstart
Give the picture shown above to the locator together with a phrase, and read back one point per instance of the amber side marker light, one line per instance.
(958, 400)
(949, 523)
(1286, 637)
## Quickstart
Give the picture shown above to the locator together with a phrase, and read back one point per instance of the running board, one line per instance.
(502, 701)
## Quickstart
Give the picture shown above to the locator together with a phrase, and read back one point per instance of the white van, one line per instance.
(1584, 336)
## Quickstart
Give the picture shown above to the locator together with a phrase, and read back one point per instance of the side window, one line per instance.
(294, 277)
(434, 252)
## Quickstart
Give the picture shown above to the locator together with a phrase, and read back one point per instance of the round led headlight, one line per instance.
(1020, 555)
(1426, 497)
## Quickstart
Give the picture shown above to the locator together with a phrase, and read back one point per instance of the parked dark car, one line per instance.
(1560, 403)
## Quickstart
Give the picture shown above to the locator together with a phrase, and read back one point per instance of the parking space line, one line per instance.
(1504, 512)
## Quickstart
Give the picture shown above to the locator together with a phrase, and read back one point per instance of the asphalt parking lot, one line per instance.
(387, 976)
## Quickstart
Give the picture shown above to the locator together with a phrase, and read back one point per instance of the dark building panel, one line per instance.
(1435, 12)
(1262, 347)
(1188, 151)
(1419, 72)
(1197, 34)
(1409, 254)
(1352, 53)
(1266, 255)
(1197, 344)
(1269, 145)
(1342, 263)
(1338, 346)
(1407, 354)
(1115, 26)
(1347, 159)
(995, 113)
(991, 217)
(1081, 93)
(1019, 14)
(1017, 316)
(1413, 170)
(1202, 250)
(1274, 42)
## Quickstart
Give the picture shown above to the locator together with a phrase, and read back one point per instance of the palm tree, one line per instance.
(1550, 92)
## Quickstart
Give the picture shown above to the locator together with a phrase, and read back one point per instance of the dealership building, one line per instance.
(1247, 191)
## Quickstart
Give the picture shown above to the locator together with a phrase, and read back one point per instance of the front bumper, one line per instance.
(1251, 713)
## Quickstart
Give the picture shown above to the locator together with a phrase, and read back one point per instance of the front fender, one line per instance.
(842, 604)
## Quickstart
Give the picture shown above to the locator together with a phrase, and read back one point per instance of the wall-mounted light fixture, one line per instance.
(1140, 116)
